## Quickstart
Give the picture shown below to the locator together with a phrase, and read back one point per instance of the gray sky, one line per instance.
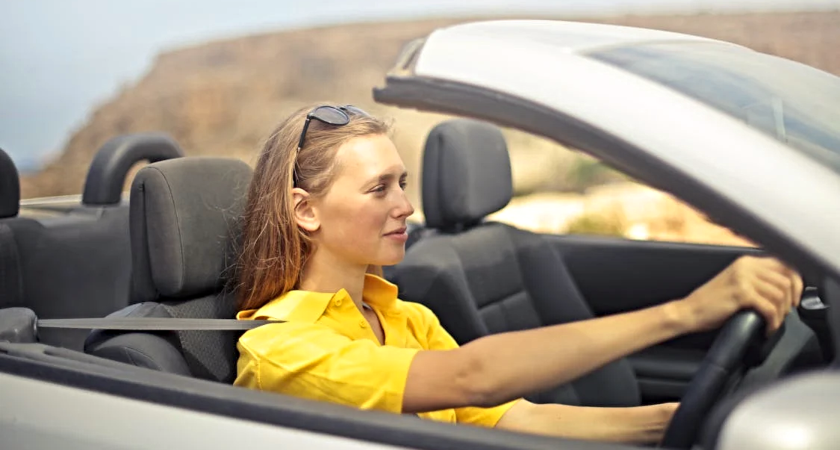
(60, 58)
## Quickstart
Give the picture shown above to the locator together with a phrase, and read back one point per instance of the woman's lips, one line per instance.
(398, 235)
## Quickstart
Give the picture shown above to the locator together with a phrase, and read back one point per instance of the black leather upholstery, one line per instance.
(11, 282)
(158, 351)
(110, 166)
(68, 265)
(9, 186)
(184, 215)
(66, 261)
(11, 274)
(76, 265)
(482, 278)
(462, 187)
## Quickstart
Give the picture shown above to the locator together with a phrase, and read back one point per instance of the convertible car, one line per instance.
(750, 139)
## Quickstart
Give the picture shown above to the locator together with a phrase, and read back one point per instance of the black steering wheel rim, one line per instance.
(724, 361)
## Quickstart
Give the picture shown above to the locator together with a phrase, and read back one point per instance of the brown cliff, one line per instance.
(222, 98)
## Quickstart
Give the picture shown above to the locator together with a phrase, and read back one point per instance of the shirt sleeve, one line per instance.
(313, 361)
(439, 339)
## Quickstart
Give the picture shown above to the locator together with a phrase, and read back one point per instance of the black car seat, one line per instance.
(11, 282)
(481, 277)
(74, 260)
(183, 221)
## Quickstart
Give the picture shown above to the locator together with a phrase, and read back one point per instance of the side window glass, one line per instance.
(561, 191)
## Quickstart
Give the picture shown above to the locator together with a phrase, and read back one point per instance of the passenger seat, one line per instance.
(481, 277)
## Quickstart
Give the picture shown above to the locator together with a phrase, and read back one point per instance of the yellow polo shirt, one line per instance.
(326, 350)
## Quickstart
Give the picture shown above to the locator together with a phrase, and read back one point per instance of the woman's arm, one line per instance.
(501, 367)
(641, 425)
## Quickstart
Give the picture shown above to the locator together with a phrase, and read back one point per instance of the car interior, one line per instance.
(72, 259)
(168, 252)
(482, 277)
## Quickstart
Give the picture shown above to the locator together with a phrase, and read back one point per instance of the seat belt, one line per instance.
(154, 324)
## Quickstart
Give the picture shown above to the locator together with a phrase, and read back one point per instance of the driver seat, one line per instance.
(183, 217)
(481, 277)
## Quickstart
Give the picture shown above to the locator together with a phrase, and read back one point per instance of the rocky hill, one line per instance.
(222, 98)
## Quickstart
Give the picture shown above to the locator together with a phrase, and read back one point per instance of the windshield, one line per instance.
(792, 102)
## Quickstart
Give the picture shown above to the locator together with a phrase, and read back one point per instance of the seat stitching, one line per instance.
(128, 353)
(178, 226)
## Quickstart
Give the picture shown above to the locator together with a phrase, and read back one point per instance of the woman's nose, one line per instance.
(404, 207)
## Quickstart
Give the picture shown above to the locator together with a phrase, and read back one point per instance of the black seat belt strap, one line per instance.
(154, 324)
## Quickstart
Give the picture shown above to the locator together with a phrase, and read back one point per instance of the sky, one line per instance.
(59, 59)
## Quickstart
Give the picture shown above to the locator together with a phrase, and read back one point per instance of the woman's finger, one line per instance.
(793, 279)
(779, 300)
(798, 287)
(785, 277)
(767, 309)
(779, 297)
(781, 281)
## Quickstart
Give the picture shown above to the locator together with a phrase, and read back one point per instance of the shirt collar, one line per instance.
(380, 293)
(309, 306)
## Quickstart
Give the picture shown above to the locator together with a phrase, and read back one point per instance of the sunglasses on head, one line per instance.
(330, 115)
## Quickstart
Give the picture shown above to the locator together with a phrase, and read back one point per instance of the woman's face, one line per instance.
(362, 216)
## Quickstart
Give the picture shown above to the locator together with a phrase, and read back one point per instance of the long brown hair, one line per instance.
(274, 249)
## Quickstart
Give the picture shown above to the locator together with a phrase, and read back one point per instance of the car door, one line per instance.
(44, 388)
(617, 275)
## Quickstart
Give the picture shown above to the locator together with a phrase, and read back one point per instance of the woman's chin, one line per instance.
(391, 259)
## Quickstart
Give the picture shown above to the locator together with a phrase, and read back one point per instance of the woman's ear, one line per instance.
(305, 215)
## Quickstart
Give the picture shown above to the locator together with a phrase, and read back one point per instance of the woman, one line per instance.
(327, 207)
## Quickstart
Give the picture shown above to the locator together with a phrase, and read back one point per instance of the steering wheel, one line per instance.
(723, 365)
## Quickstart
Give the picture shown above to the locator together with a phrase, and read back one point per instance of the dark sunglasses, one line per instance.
(330, 115)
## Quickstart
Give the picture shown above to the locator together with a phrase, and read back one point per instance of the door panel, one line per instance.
(47, 386)
(617, 275)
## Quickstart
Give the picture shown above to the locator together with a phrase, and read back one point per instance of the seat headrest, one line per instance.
(466, 173)
(9, 187)
(184, 217)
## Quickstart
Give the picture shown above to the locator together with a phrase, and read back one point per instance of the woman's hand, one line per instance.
(760, 283)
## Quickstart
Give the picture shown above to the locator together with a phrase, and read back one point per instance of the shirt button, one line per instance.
(338, 302)
(363, 324)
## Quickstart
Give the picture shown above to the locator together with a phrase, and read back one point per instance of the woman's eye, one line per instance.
(382, 188)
